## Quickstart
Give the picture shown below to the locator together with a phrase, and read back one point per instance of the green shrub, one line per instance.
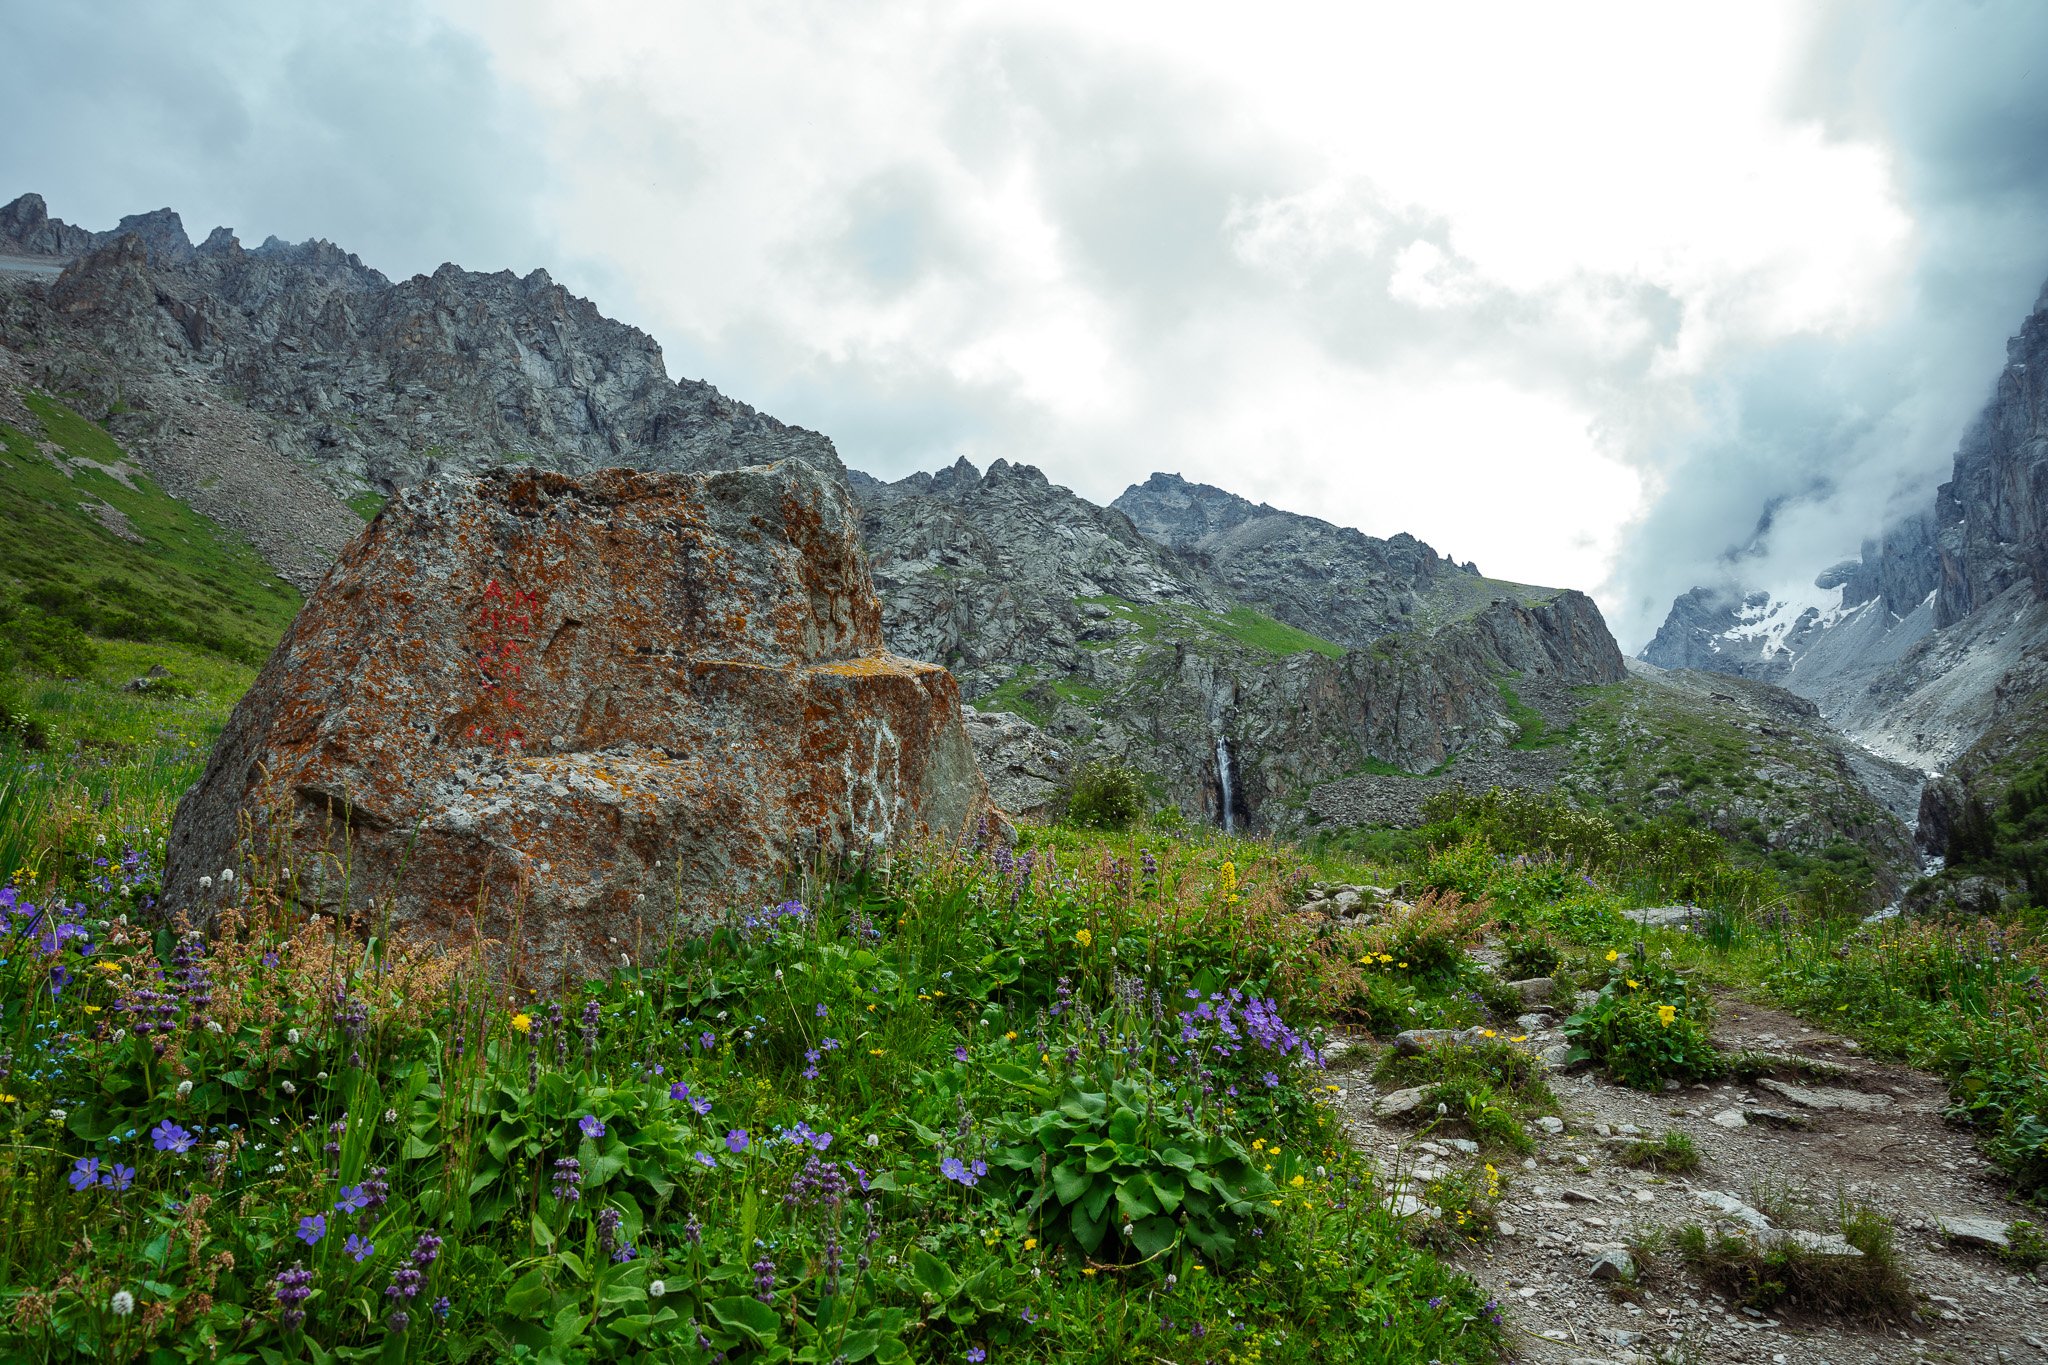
(1114, 1167)
(1763, 1275)
(33, 638)
(1105, 794)
(1528, 953)
(1648, 1025)
(1674, 1153)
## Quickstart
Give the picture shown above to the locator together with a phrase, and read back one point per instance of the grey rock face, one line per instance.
(1121, 645)
(1024, 765)
(375, 385)
(1329, 580)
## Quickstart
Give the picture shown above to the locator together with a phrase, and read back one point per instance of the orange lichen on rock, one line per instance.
(568, 715)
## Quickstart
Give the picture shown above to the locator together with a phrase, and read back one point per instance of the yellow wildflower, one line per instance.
(1297, 1182)
(92, 1009)
(1031, 1244)
(1519, 1038)
(1258, 1144)
(1010, 1037)
(874, 1052)
(1084, 938)
(1666, 1013)
(523, 1022)
(1088, 1270)
(1634, 984)
(1613, 956)
(1486, 1033)
(108, 966)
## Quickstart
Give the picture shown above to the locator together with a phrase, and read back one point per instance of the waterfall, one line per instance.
(1223, 780)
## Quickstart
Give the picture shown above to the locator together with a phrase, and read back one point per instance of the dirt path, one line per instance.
(1888, 1148)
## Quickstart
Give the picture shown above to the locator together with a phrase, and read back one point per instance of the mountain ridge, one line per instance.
(1245, 656)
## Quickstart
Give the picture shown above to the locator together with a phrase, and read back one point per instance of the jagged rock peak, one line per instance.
(373, 383)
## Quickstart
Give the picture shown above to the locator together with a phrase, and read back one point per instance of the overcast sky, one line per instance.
(1573, 291)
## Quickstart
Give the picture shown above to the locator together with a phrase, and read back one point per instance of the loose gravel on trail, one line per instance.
(1853, 1127)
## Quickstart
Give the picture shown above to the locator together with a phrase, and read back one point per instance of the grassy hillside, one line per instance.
(88, 540)
(128, 625)
(1742, 760)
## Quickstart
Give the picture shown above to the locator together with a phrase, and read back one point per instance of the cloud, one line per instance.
(1841, 430)
(376, 127)
(1574, 293)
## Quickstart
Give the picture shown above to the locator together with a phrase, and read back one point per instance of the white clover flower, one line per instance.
(276, 1168)
(291, 1035)
(184, 1089)
(213, 1026)
(874, 1139)
(288, 1088)
(126, 891)
(227, 874)
(123, 1303)
(657, 1288)
(391, 1116)
(57, 1116)
(101, 839)
(206, 883)
(220, 1144)
(320, 1076)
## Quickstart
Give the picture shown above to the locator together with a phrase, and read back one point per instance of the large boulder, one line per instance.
(565, 716)
(1023, 764)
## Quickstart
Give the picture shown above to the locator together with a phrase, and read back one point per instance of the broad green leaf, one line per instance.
(748, 1316)
(1154, 1235)
(933, 1275)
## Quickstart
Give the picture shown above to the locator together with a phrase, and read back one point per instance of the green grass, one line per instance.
(1239, 626)
(1532, 731)
(367, 504)
(1013, 695)
(185, 582)
(971, 1018)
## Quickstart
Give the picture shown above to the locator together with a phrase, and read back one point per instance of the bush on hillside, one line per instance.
(1105, 794)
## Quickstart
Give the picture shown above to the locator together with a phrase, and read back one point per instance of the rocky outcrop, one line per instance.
(1330, 580)
(1122, 646)
(1024, 766)
(565, 716)
(374, 385)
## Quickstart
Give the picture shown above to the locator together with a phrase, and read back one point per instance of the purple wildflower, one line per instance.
(85, 1173)
(293, 1287)
(705, 1159)
(312, 1228)
(352, 1199)
(117, 1177)
(736, 1141)
(169, 1137)
(359, 1248)
(592, 1126)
